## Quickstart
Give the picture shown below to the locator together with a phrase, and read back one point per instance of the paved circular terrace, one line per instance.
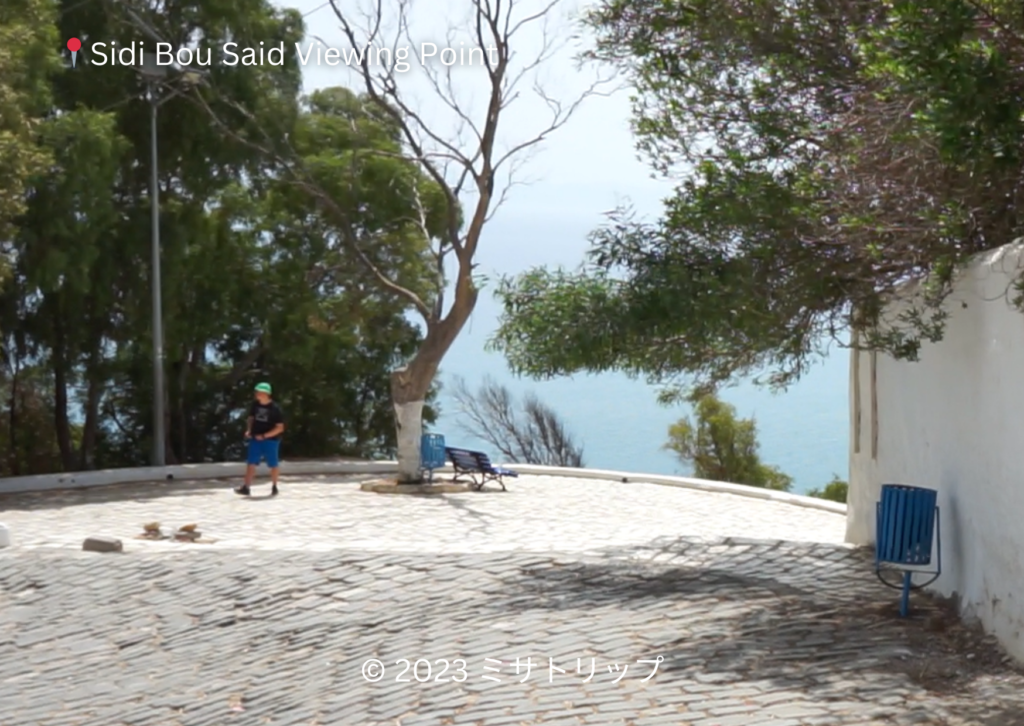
(563, 601)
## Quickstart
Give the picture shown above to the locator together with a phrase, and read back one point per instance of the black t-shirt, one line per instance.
(264, 418)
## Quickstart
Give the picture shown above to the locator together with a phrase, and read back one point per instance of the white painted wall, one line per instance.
(954, 422)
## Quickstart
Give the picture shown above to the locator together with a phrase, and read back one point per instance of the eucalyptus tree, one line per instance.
(254, 284)
(465, 150)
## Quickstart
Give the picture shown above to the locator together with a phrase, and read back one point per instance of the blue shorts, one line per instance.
(266, 449)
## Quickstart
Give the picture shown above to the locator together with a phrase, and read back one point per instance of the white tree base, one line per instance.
(390, 486)
(409, 422)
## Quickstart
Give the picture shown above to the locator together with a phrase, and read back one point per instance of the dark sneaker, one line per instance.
(273, 491)
(242, 490)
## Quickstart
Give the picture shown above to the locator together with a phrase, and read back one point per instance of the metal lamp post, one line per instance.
(154, 75)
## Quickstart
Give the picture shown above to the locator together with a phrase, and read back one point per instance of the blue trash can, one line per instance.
(432, 454)
(907, 521)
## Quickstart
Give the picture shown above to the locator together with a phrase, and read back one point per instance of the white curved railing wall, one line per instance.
(225, 470)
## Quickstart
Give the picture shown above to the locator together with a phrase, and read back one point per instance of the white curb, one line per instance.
(705, 485)
(231, 470)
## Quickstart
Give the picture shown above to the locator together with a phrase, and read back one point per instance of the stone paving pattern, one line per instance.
(761, 615)
(327, 513)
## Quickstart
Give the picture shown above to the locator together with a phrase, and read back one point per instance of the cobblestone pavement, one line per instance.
(259, 629)
(537, 513)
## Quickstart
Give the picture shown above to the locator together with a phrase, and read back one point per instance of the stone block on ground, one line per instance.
(102, 544)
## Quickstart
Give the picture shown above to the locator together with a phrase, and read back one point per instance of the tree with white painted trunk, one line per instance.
(463, 154)
(469, 165)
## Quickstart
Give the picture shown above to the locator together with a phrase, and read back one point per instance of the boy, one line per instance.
(263, 432)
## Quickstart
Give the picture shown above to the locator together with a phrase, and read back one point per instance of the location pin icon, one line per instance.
(74, 45)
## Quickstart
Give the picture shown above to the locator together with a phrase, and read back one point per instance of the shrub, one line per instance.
(722, 447)
(835, 491)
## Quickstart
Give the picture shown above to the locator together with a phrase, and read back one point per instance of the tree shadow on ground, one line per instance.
(829, 642)
(483, 519)
(146, 491)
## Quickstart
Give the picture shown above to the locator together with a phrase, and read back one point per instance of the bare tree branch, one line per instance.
(532, 435)
(448, 156)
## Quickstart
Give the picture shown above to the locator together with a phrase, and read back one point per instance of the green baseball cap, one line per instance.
(263, 388)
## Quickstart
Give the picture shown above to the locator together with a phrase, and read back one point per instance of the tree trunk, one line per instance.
(60, 411)
(183, 384)
(409, 385)
(409, 420)
(408, 394)
(170, 457)
(362, 420)
(195, 423)
(13, 468)
(87, 457)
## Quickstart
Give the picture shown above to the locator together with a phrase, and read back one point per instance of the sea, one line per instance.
(804, 430)
(621, 425)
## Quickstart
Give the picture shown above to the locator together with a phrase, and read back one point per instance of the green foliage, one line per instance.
(721, 447)
(824, 154)
(584, 313)
(28, 37)
(256, 281)
(835, 491)
(28, 440)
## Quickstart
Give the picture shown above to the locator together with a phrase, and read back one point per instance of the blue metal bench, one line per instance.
(478, 467)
